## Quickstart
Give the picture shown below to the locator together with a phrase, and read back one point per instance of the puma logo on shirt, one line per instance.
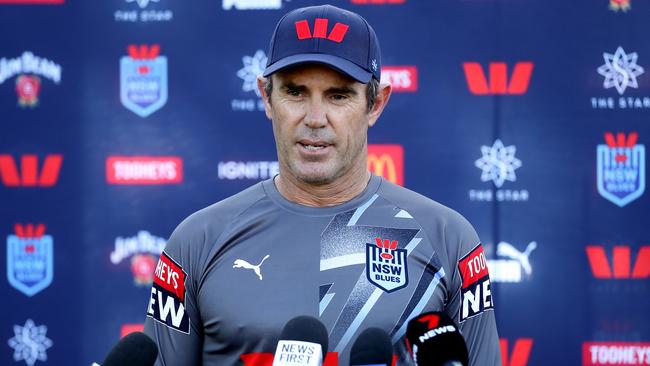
(240, 263)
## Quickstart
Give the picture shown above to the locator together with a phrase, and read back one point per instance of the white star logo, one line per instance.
(142, 3)
(620, 70)
(374, 64)
(30, 343)
(498, 163)
(253, 66)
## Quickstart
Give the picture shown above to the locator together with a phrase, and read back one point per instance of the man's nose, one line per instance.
(316, 114)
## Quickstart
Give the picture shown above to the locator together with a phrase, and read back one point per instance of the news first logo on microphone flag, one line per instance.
(167, 300)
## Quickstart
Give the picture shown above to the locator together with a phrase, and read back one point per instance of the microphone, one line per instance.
(434, 340)
(136, 349)
(303, 342)
(373, 347)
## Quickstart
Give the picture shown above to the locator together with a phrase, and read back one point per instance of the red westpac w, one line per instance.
(498, 83)
(621, 264)
(520, 352)
(320, 30)
(28, 175)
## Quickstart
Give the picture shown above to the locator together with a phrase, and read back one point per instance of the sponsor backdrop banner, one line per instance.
(531, 118)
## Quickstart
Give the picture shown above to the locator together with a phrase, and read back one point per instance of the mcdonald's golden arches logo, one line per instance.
(387, 161)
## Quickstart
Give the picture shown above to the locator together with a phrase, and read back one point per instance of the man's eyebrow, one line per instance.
(289, 85)
(342, 90)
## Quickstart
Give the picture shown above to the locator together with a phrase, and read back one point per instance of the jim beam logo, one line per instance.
(386, 265)
(30, 259)
(143, 80)
(167, 302)
(475, 290)
(621, 168)
(30, 69)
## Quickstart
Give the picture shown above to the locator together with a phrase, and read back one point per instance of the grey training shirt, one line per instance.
(234, 273)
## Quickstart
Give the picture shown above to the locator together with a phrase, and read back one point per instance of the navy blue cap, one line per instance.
(327, 35)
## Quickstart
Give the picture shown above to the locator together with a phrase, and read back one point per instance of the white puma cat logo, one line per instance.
(240, 263)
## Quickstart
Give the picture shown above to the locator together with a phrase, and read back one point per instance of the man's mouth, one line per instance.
(313, 145)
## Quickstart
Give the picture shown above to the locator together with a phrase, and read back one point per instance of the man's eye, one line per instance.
(293, 92)
(339, 97)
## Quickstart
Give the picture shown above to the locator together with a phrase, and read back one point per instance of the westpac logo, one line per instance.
(619, 5)
(498, 83)
(498, 165)
(142, 249)
(620, 72)
(143, 80)
(251, 4)
(337, 34)
(615, 353)
(30, 69)
(236, 170)
(28, 175)
(386, 265)
(142, 14)
(387, 161)
(32, 2)
(403, 79)
(143, 170)
(519, 354)
(512, 265)
(253, 67)
(30, 259)
(621, 168)
(621, 266)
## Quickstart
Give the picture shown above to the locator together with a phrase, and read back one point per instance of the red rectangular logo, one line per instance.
(143, 170)
(473, 267)
(387, 161)
(170, 276)
(33, 2)
(131, 328)
(377, 2)
(615, 353)
(402, 78)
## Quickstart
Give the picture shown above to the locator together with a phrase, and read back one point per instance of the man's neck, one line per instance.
(342, 190)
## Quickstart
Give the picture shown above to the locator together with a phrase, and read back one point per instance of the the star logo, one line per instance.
(30, 343)
(142, 3)
(374, 64)
(617, 5)
(498, 163)
(620, 70)
(253, 66)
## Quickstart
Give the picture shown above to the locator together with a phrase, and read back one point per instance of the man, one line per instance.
(324, 237)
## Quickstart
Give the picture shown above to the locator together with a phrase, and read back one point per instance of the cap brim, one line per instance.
(349, 68)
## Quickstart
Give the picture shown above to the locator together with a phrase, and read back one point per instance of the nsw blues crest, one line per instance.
(621, 168)
(30, 257)
(386, 266)
(143, 80)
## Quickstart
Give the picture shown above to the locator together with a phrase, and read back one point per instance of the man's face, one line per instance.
(320, 122)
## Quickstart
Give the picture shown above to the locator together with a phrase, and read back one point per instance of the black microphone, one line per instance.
(372, 347)
(434, 340)
(136, 349)
(303, 342)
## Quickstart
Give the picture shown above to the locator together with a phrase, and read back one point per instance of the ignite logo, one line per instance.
(620, 267)
(236, 170)
(29, 176)
(29, 67)
(476, 296)
(519, 354)
(143, 250)
(403, 79)
(320, 30)
(143, 80)
(167, 301)
(387, 161)
(30, 259)
(621, 168)
(615, 353)
(498, 83)
(619, 5)
(386, 265)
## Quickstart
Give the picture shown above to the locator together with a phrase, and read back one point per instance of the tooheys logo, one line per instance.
(475, 290)
(144, 170)
(29, 175)
(621, 264)
(498, 83)
(519, 354)
(34, 2)
(387, 161)
(401, 78)
(615, 353)
(167, 302)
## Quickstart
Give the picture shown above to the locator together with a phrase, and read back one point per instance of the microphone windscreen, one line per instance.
(372, 347)
(136, 349)
(306, 329)
(434, 340)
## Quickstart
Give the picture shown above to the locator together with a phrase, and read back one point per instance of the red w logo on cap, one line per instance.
(320, 30)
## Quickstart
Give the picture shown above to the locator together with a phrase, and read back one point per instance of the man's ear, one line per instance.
(261, 81)
(383, 94)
